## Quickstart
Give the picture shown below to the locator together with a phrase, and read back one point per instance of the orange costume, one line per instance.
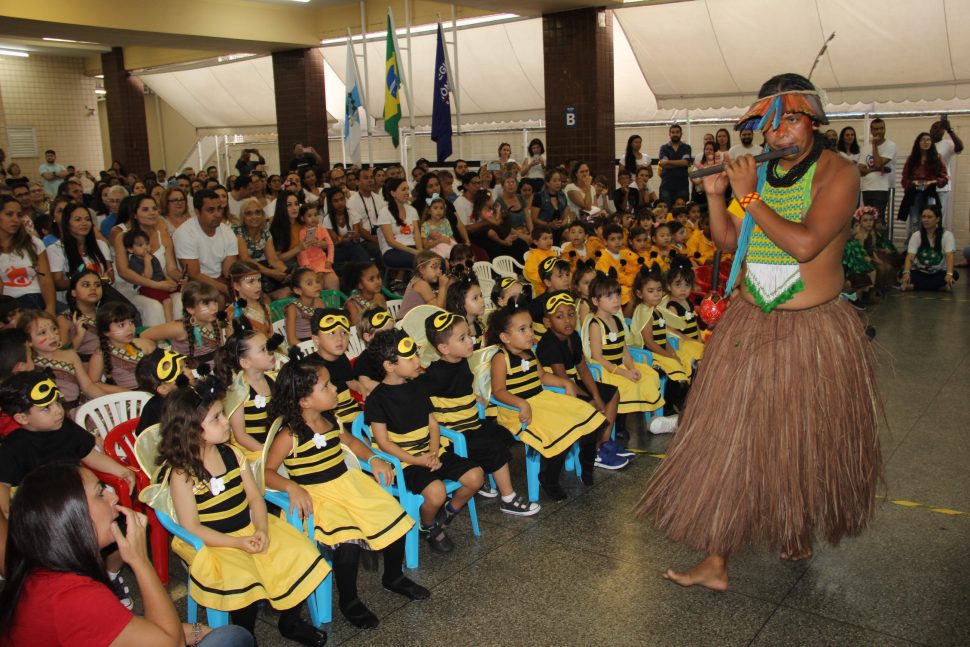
(531, 271)
(700, 249)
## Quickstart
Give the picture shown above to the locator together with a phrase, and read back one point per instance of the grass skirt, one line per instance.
(229, 579)
(777, 443)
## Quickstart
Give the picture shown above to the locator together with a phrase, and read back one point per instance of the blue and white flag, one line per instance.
(441, 110)
(352, 108)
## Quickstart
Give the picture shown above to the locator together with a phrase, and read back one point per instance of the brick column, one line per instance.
(578, 61)
(127, 128)
(301, 107)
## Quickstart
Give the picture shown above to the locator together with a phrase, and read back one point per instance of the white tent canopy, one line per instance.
(709, 56)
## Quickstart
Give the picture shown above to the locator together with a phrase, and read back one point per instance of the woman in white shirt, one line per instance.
(79, 249)
(848, 145)
(633, 158)
(929, 257)
(400, 238)
(579, 192)
(505, 159)
(24, 269)
(534, 165)
(311, 192)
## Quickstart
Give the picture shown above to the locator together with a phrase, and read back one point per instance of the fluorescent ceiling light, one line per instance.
(14, 52)
(426, 29)
(100, 91)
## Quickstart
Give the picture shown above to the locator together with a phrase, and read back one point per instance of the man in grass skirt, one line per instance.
(778, 442)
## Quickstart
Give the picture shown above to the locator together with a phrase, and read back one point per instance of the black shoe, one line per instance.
(554, 492)
(438, 540)
(587, 477)
(359, 615)
(411, 590)
(304, 633)
(444, 516)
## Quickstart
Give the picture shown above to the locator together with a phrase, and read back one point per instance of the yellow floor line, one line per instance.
(900, 502)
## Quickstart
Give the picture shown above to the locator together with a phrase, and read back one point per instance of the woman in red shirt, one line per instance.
(57, 588)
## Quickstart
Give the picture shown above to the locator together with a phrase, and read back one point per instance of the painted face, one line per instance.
(44, 336)
(793, 130)
(249, 287)
(431, 271)
(205, 311)
(122, 332)
(651, 293)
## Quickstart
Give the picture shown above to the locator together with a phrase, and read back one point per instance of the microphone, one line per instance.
(763, 157)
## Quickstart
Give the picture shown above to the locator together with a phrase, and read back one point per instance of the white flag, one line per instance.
(352, 108)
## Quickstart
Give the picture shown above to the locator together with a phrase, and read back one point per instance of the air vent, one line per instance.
(21, 141)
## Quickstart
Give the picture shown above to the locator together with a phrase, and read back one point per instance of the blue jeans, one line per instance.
(398, 259)
(228, 636)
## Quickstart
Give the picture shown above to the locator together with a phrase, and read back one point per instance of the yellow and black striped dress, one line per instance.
(228, 579)
(256, 420)
(347, 503)
(676, 369)
(642, 395)
(557, 420)
(684, 319)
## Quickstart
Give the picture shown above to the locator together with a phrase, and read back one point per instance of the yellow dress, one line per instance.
(557, 420)
(684, 320)
(228, 579)
(639, 396)
(255, 417)
(347, 503)
(644, 318)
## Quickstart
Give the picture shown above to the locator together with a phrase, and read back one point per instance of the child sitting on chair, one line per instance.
(399, 413)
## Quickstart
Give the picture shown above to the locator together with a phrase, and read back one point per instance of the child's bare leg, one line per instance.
(711, 573)
(434, 497)
(167, 307)
(471, 482)
(503, 480)
(329, 280)
(610, 415)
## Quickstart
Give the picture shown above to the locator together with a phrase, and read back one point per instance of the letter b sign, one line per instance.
(570, 117)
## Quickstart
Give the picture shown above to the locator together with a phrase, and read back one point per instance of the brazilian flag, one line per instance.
(392, 102)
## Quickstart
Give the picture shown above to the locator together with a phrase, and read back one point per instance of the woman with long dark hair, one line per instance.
(848, 144)
(24, 268)
(929, 257)
(285, 229)
(57, 590)
(633, 158)
(923, 173)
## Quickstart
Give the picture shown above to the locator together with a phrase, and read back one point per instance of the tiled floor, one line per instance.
(586, 572)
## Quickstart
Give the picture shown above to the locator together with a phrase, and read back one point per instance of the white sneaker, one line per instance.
(663, 425)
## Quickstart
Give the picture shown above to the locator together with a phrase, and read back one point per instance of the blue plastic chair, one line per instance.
(216, 618)
(533, 459)
(319, 603)
(410, 501)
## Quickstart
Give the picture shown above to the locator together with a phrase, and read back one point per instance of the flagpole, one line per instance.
(400, 71)
(454, 90)
(363, 37)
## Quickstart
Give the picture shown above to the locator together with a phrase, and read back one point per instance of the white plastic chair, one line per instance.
(108, 411)
(487, 285)
(483, 270)
(355, 344)
(280, 327)
(525, 257)
(394, 306)
(506, 266)
(307, 347)
(558, 250)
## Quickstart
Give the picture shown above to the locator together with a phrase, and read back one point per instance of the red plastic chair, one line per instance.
(119, 444)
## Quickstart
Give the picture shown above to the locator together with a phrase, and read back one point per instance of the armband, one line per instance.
(746, 201)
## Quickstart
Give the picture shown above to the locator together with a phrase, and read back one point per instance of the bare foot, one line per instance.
(711, 574)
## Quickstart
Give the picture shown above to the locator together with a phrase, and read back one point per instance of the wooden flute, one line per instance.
(764, 157)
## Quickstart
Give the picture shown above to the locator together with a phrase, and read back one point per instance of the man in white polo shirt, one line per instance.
(364, 206)
(948, 150)
(205, 246)
(876, 168)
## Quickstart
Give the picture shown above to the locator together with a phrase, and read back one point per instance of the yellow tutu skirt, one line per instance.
(228, 579)
(678, 370)
(636, 397)
(557, 422)
(354, 506)
(691, 350)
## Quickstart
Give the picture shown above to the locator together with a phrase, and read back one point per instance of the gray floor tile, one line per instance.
(794, 628)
